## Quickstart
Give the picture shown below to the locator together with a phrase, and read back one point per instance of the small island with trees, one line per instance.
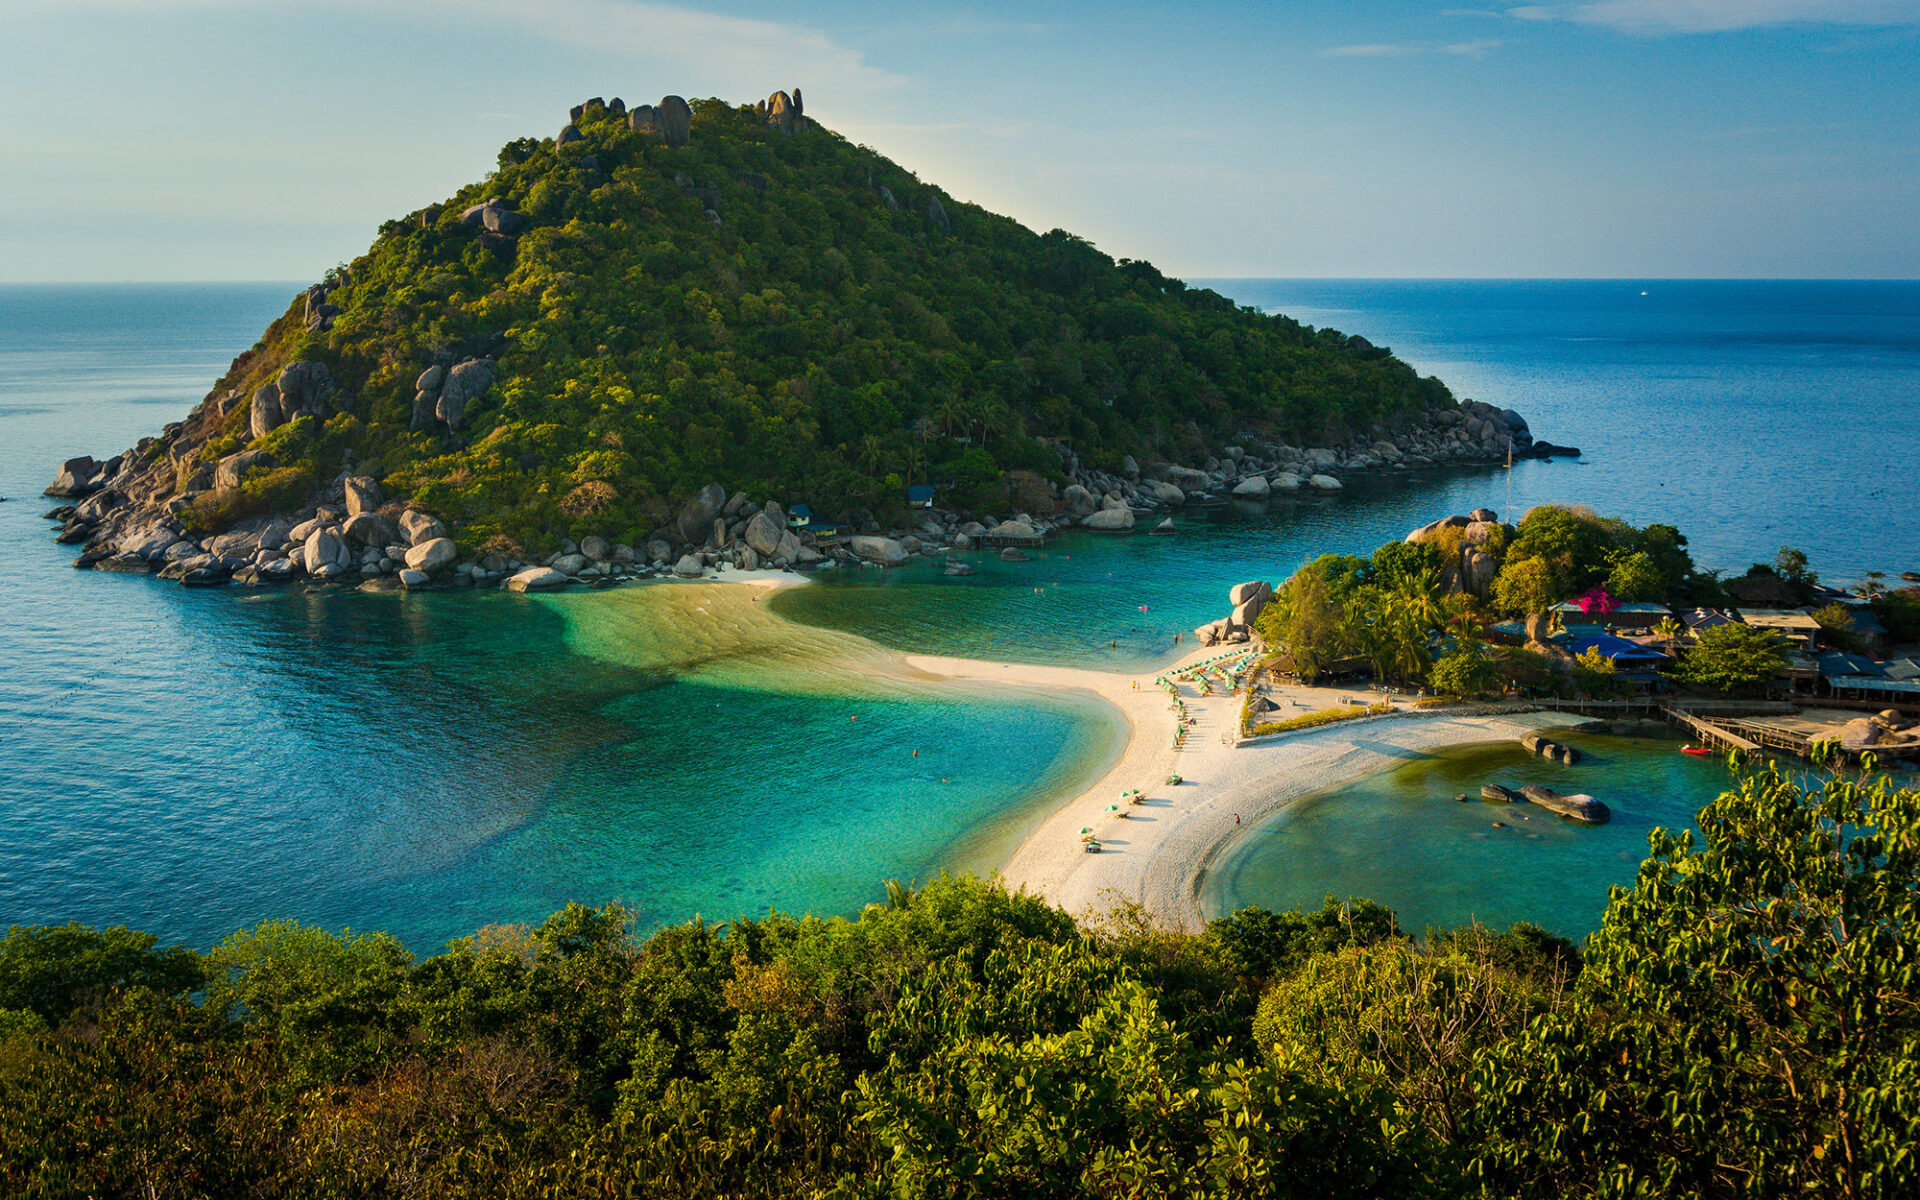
(561, 360)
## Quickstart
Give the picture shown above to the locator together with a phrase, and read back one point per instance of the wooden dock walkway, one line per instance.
(1708, 732)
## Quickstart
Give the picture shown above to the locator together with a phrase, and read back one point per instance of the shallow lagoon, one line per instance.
(1400, 838)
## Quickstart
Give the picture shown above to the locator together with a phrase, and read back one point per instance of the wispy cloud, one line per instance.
(1477, 48)
(724, 45)
(1654, 17)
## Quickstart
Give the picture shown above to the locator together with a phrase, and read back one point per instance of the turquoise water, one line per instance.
(1441, 864)
(189, 762)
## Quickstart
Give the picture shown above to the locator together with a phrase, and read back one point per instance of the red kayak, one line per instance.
(1700, 750)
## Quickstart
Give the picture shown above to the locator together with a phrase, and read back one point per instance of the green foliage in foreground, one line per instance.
(1746, 1023)
(825, 343)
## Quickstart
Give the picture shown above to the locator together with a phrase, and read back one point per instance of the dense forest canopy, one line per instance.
(787, 312)
(1745, 1023)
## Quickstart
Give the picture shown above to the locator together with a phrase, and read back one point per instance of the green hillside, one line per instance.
(781, 310)
(1743, 1024)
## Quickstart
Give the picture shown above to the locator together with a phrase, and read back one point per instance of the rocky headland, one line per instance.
(423, 417)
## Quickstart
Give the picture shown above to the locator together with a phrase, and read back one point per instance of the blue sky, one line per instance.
(267, 139)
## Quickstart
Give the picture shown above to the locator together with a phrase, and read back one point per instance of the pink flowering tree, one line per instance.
(1595, 600)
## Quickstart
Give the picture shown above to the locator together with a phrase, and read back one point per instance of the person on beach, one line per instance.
(1236, 818)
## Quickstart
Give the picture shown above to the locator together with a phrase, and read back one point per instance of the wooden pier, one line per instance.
(1707, 732)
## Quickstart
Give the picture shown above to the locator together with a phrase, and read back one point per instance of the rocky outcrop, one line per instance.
(1888, 727)
(302, 390)
(937, 215)
(764, 532)
(882, 550)
(230, 472)
(1325, 483)
(82, 476)
(536, 579)
(1493, 793)
(1111, 520)
(1468, 562)
(371, 529)
(1248, 600)
(362, 494)
(1546, 748)
(467, 382)
(783, 111)
(317, 313)
(696, 517)
(671, 121)
(493, 216)
(418, 527)
(1253, 487)
(1582, 807)
(1187, 479)
(432, 554)
(443, 394)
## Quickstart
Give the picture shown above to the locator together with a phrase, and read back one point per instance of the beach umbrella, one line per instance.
(1113, 808)
(1086, 829)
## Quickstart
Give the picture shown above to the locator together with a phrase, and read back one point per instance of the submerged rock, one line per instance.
(1577, 807)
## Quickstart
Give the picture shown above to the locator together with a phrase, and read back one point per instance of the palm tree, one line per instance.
(925, 427)
(995, 417)
(950, 412)
(912, 460)
(873, 452)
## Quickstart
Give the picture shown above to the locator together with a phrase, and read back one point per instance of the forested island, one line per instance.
(673, 298)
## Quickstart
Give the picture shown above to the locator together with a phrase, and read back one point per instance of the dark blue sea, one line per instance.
(190, 762)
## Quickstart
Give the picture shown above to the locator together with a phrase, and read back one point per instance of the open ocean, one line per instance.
(191, 762)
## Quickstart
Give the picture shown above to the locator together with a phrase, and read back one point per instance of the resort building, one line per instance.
(1794, 626)
(1634, 615)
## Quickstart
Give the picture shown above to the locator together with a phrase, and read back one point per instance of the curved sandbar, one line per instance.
(1159, 853)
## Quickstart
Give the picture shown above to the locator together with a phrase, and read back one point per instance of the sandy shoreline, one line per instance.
(1158, 855)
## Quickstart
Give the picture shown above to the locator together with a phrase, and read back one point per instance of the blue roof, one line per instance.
(920, 491)
(1618, 649)
(1874, 683)
(1850, 665)
(800, 511)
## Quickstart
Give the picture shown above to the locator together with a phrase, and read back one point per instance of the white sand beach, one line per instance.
(1158, 853)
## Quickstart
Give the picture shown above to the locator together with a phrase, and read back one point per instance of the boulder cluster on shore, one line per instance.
(131, 512)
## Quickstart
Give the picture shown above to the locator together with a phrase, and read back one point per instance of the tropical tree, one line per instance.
(1305, 617)
(952, 414)
(1747, 1022)
(1734, 657)
(1467, 670)
(1526, 585)
(1635, 576)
